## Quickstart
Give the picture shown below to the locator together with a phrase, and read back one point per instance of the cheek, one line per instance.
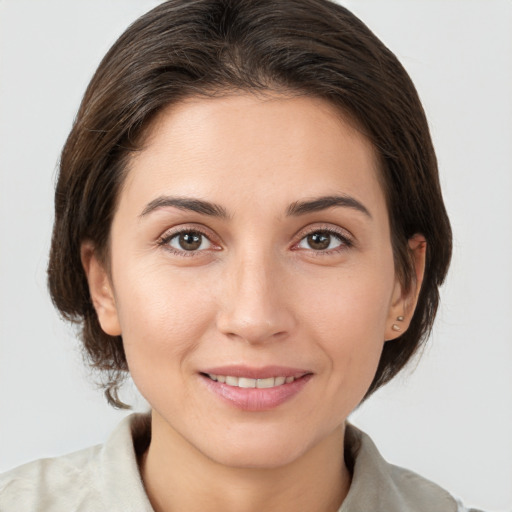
(354, 303)
(349, 318)
(163, 316)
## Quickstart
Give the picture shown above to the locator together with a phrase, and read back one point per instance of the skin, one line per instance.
(256, 292)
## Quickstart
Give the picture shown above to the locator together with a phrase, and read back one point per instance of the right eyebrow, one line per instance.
(185, 203)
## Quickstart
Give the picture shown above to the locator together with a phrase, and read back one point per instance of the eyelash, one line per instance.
(164, 241)
(345, 241)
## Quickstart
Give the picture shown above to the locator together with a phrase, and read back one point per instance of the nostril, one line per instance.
(254, 331)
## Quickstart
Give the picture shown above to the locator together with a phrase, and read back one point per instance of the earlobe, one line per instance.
(404, 304)
(101, 290)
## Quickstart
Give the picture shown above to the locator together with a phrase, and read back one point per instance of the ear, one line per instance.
(101, 290)
(404, 303)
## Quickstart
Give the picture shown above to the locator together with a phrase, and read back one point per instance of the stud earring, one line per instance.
(396, 327)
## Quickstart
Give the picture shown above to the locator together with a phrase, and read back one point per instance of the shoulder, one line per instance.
(99, 478)
(45, 484)
(378, 485)
(419, 491)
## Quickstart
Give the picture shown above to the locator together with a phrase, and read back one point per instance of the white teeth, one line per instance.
(266, 383)
(246, 382)
(232, 381)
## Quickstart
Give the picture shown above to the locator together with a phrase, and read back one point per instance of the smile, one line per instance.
(255, 389)
(246, 382)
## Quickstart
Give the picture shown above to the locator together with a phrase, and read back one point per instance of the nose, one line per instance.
(256, 305)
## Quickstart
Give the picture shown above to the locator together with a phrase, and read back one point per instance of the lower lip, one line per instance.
(256, 399)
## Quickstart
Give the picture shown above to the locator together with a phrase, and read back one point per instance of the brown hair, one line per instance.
(207, 47)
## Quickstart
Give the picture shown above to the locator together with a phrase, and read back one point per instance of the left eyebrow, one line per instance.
(322, 203)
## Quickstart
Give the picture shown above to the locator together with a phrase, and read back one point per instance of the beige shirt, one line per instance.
(107, 478)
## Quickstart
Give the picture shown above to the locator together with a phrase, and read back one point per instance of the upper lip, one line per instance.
(251, 372)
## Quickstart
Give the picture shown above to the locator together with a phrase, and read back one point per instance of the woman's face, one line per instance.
(252, 275)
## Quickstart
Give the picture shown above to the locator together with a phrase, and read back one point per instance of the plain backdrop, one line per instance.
(448, 417)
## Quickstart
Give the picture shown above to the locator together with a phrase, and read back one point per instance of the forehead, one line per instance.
(253, 150)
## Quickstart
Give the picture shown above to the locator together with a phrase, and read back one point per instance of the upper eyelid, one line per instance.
(336, 230)
(176, 230)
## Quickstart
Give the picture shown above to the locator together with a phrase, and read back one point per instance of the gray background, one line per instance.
(450, 418)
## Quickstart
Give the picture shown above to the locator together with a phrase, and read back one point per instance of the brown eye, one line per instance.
(189, 241)
(321, 241)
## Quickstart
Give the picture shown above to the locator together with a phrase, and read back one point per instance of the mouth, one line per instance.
(252, 389)
(246, 382)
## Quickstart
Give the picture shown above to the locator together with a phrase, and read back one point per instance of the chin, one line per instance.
(261, 449)
(263, 456)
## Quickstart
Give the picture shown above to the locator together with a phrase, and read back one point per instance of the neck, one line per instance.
(177, 476)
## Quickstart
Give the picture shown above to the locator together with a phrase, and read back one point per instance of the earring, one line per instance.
(396, 327)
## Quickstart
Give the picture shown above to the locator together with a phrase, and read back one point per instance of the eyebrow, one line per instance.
(184, 203)
(295, 209)
(322, 203)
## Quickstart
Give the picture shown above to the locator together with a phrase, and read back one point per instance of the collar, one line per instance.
(376, 484)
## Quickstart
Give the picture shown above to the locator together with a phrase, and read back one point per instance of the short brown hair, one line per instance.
(184, 48)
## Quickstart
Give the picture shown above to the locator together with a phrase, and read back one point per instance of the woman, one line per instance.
(249, 221)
